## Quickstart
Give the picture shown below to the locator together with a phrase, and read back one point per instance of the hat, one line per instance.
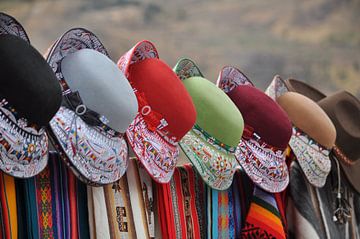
(98, 105)
(211, 143)
(344, 116)
(344, 110)
(261, 152)
(313, 136)
(29, 97)
(165, 114)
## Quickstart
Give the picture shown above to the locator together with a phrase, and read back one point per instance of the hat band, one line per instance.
(340, 155)
(250, 135)
(212, 140)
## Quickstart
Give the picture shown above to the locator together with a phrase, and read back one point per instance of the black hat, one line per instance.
(30, 96)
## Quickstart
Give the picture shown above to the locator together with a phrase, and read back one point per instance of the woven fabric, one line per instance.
(8, 207)
(183, 215)
(263, 219)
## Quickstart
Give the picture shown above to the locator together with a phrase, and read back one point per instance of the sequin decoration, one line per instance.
(158, 155)
(99, 157)
(265, 166)
(312, 157)
(216, 167)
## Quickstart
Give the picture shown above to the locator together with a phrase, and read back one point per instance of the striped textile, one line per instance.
(49, 204)
(228, 208)
(181, 205)
(263, 219)
(310, 210)
(8, 206)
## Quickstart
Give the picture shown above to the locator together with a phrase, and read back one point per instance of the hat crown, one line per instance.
(27, 81)
(102, 86)
(344, 111)
(306, 115)
(262, 115)
(164, 93)
(216, 113)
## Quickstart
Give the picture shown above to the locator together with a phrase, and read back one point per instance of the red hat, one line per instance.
(166, 111)
(261, 152)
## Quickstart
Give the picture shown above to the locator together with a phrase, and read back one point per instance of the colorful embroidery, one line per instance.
(186, 68)
(263, 220)
(23, 149)
(216, 167)
(230, 78)
(159, 157)
(44, 201)
(276, 88)
(265, 166)
(212, 140)
(8, 25)
(98, 154)
(98, 157)
(141, 51)
(312, 157)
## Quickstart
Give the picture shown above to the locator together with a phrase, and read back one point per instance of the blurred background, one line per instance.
(316, 41)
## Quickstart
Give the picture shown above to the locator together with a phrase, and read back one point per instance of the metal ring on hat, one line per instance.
(80, 109)
(145, 110)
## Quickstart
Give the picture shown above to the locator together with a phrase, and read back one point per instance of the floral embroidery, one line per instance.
(98, 157)
(23, 148)
(231, 77)
(186, 68)
(216, 167)
(312, 157)
(158, 155)
(276, 88)
(265, 166)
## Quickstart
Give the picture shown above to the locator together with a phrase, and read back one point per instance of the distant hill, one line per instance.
(317, 41)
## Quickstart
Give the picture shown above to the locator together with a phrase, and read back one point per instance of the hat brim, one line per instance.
(230, 77)
(23, 150)
(158, 157)
(99, 158)
(96, 155)
(315, 164)
(266, 168)
(216, 167)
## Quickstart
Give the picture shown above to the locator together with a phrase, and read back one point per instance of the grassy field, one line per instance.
(317, 41)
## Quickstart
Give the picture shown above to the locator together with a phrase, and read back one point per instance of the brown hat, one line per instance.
(344, 111)
(313, 136)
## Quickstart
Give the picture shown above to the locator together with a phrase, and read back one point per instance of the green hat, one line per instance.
(210, 145)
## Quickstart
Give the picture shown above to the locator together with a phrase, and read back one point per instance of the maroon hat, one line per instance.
(261, 152)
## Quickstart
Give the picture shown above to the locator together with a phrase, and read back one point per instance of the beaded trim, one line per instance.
(340, 155)
(212, 140)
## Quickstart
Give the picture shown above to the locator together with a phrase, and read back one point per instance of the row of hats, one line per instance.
(99, 107)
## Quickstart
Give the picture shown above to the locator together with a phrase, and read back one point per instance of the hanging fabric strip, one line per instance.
(118, 206)
(100, 214)
(263, 219)
(8, 206)
(82, 211)
(90, 204)
(137, 202)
